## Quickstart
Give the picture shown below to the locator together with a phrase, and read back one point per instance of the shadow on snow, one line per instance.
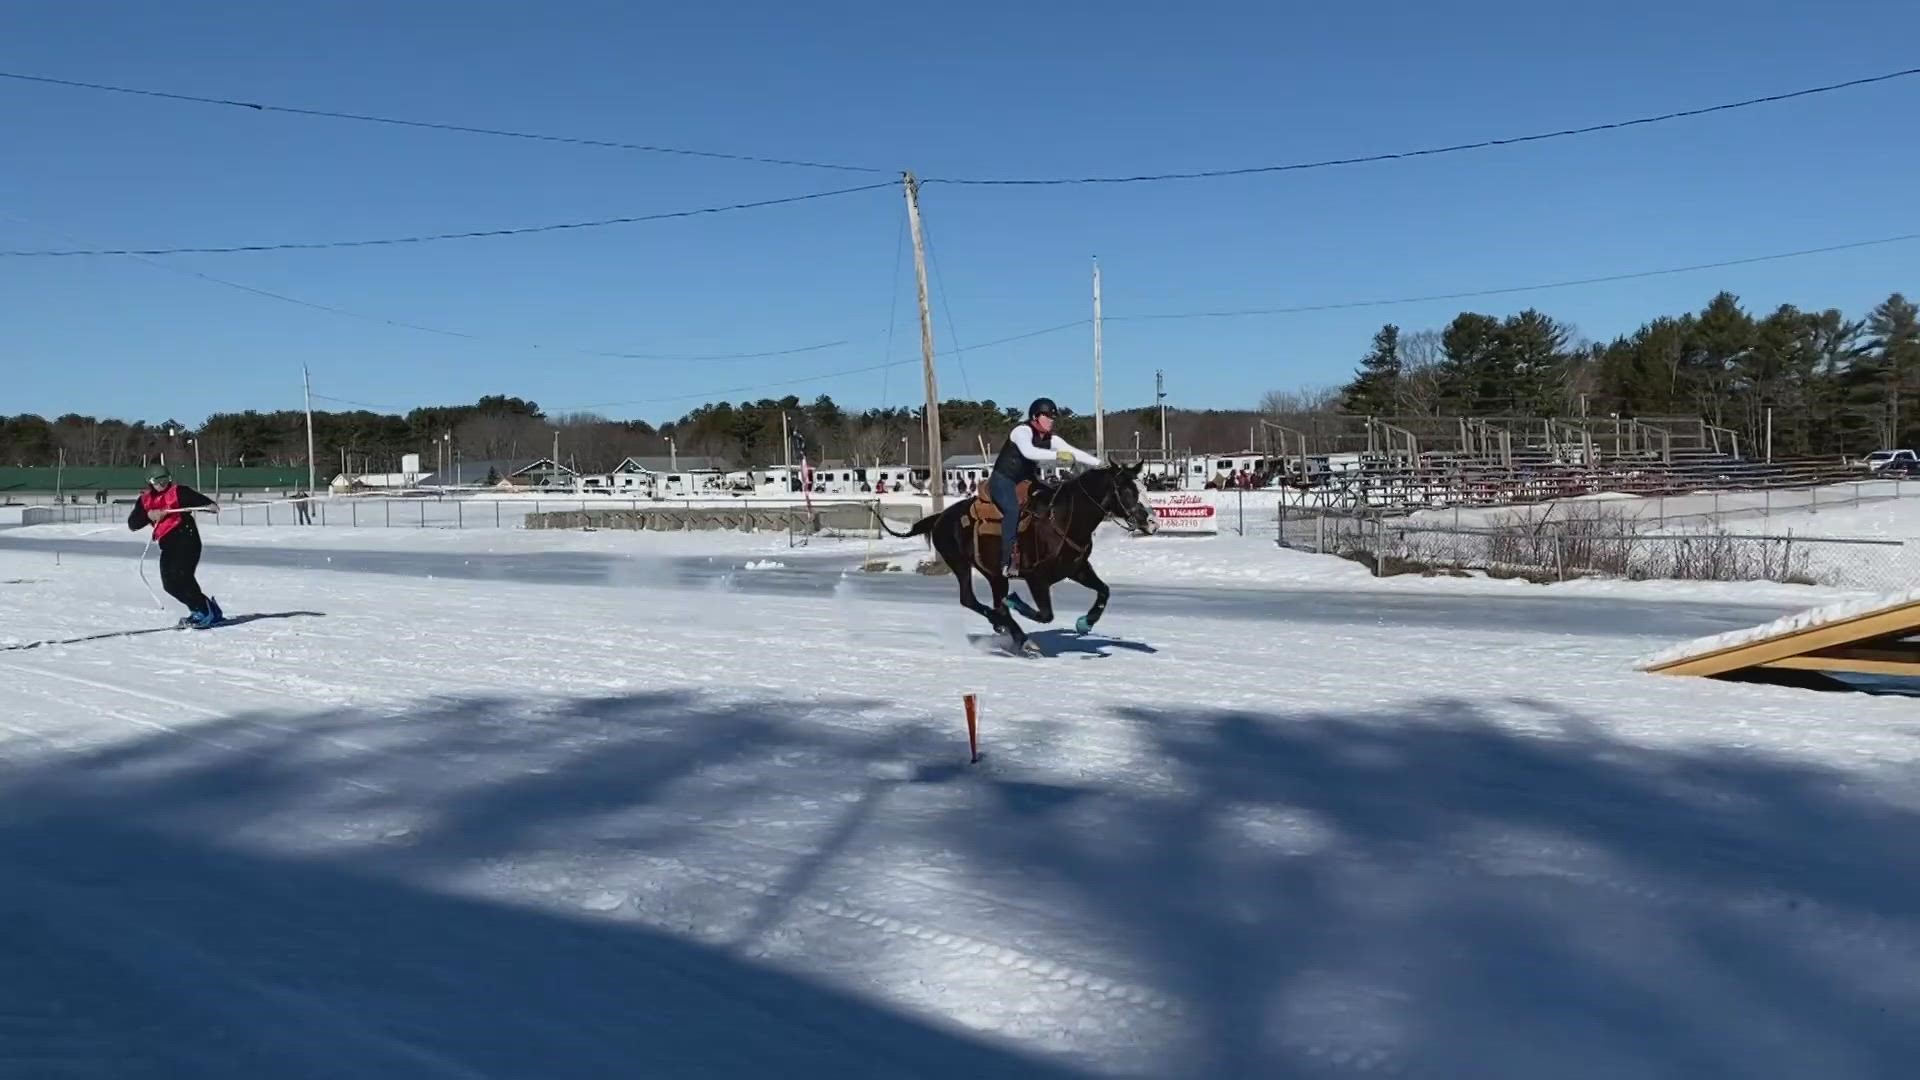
(455, 890)
(230, 621)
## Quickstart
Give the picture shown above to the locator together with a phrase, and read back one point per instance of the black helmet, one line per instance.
(1042, 406)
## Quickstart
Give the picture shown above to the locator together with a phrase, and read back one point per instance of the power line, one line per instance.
(468, 235)
(363, 404)
(1401, 155)
(1613, 125)
(465, 129)
(1568, 283)
(710, 395)
(893, 300)
(463, 335)
(940, 281)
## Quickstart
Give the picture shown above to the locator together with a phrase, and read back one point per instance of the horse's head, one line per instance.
(1124, 500)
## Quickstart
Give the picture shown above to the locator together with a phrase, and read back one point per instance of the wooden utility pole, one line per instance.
(306, 388)
(1099, 408)
(936, 481)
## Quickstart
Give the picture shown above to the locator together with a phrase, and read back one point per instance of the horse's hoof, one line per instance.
(1081, 625)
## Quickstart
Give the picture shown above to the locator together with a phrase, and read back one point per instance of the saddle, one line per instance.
(987, 519)
(988, 524)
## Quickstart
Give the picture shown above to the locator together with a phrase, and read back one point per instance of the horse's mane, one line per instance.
(1048, 495)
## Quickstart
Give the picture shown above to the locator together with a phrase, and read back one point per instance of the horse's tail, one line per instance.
(920, 528)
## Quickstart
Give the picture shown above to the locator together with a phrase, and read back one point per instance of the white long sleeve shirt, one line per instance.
(1022, 440)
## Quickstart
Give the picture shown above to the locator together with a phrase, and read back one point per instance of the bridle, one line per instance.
(1107, 513)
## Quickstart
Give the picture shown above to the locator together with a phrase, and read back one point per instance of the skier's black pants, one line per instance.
(179, 557)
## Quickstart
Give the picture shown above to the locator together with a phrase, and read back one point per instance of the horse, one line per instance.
(1055, 543)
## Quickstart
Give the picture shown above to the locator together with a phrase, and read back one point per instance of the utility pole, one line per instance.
(936, 485)
(553, 474)
(1160, 399)
(1099, 408)
(306, 385)
(786, 443)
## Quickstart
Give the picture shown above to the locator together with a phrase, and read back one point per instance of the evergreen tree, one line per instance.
(1721, 339)
(1533, 354)
(1375, 386)
(1471, 379)
(1895, 347)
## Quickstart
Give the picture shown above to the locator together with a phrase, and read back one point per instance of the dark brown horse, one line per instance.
(1054, 546)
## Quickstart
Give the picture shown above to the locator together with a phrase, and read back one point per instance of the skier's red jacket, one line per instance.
(173, 497)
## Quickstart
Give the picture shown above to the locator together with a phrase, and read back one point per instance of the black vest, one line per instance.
(1012, 463)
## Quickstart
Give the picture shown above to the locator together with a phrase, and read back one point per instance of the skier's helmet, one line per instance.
(158, 476)
(1043, 407)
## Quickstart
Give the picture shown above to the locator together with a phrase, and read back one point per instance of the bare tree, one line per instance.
(1418, 391)
(1300, 402)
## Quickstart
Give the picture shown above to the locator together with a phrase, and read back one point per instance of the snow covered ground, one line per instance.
(498, 804)
(1228, 560)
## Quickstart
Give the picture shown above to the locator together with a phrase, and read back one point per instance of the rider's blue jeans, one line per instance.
(1002, 489)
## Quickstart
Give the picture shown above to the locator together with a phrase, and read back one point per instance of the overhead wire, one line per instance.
(430, 125)
(1432, 151)
(1016, 181)
(940, 283)
(893, 303)
(1302, 309)
(711, 395)
(360, 404)
(463, 335)
(1509, 289)
(470, 234)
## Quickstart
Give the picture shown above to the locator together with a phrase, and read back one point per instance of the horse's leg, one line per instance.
(1084, 575)
(1042, 590)
(961, 564)
(999, 586)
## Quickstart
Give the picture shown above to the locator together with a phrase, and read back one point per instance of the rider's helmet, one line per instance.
(1043, 406)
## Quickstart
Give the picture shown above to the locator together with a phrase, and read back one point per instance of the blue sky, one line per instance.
(984, 88)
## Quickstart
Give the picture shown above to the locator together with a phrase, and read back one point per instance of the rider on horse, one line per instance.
(1029, 445)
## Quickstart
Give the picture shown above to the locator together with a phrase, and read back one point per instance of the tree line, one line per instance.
(1833, 384)
(512, 429)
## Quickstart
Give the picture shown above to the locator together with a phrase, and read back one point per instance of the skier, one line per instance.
(1030, 444)
(165, 505)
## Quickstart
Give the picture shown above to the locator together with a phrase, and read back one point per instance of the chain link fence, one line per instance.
(1604, 546)
(1693, 509)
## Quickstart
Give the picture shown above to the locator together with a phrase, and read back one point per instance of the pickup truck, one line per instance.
(1898, 461)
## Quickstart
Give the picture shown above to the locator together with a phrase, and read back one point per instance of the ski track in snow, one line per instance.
(487, 829)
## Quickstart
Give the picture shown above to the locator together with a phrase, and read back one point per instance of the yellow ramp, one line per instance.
(1879, 636)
